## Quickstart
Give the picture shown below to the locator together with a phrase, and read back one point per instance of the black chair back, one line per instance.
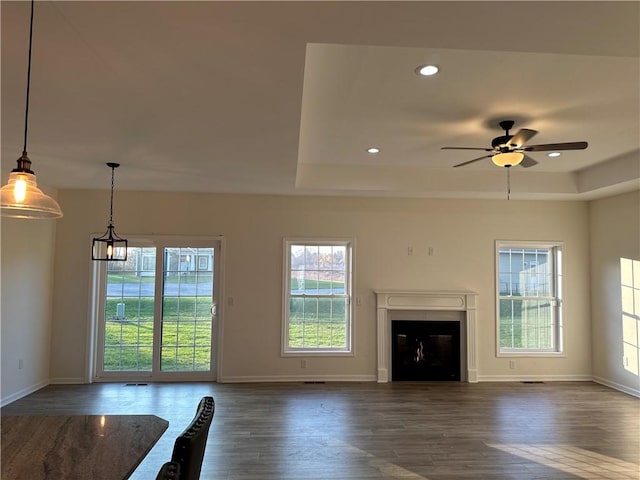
(188, 449)
(169, 471)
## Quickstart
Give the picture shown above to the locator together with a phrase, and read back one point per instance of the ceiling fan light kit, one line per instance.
(508, 159)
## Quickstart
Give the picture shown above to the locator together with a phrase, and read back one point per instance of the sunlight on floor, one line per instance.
(387, 469)
(576, 461)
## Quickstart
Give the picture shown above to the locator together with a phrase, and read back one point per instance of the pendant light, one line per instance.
(21, 197)
(110, 247)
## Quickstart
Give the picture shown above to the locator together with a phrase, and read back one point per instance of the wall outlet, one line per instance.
(20, 364)
(303, 364)
(430, 251)
(512, 364)
(410, 251)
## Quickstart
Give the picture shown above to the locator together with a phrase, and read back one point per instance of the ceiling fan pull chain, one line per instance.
(508, 183)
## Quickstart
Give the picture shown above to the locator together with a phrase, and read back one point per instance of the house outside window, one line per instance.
(529, 298)
(317, 303)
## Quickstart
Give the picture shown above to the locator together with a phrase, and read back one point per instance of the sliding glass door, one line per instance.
(187, 309)
(157, 312)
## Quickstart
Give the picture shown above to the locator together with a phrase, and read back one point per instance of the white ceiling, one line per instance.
(285, 97)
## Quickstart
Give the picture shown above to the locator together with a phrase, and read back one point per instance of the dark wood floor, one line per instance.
(409, 431)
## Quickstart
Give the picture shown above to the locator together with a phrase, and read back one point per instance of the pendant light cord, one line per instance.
(113, 169)
(26, 111)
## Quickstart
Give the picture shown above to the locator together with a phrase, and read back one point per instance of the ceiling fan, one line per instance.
(508, 150)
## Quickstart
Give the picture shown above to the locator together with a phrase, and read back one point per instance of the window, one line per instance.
(203, 262)
(529, 298)
(630, 290)
(317, 296)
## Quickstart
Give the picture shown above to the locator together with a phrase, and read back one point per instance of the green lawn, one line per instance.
(174, 308)
(132, 277)
(329, 335)
(531, 333)
(127, 277)
(186, 335)
(317, 322)
(312, 284)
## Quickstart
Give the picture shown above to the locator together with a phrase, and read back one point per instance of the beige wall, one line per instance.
(615, 234)
(25, 299)
(461, 232)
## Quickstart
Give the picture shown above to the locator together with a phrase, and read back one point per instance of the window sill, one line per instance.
(531, 354)
(319, 353)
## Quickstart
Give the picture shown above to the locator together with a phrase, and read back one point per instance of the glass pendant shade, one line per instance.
(21, 198)
(109, 247)
(508, 159)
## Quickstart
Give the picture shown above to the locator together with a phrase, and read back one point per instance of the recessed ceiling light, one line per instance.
(427, 70)
(373, 150)
(553, 154)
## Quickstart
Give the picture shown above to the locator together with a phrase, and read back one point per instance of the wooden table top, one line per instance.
(97, 447)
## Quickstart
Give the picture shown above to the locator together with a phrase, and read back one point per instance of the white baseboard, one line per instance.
(67, 380)
(535, 378)
(297, 378)
(23, 393)
(617, 386)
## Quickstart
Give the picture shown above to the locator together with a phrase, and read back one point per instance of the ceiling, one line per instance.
(285, 97)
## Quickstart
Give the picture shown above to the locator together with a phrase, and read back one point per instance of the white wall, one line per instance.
(614, 234)
(461, 232)
(25, 298)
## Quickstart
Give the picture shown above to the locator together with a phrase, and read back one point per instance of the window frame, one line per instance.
(349, 244)
(557, 274)
(97, 295)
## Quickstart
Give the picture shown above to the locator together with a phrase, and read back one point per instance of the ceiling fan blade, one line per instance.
(528, 162)
(467, 148)
(521, 137)
(472, 161)
(556, 146)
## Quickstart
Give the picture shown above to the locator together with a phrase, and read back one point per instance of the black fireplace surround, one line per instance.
(425, 350)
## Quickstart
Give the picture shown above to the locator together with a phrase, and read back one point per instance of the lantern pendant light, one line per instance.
(110, 247)
(21, 197)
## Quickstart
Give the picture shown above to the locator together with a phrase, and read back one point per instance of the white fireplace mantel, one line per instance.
(392, 301)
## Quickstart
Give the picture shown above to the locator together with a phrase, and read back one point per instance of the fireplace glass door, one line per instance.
(425, 350)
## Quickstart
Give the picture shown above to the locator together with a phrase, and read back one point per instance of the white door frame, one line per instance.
(96, 294)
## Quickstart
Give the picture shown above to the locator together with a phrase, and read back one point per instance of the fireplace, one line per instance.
(445, 323)
(422, 351)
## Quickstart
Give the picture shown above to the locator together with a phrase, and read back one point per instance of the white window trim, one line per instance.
(560, 308)
(349, 351)
(97, 291)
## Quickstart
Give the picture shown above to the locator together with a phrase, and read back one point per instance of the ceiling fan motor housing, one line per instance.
(501, 142)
